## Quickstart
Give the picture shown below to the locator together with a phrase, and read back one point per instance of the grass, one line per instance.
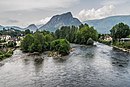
(125, 45)
(105, 42)
(4, 54)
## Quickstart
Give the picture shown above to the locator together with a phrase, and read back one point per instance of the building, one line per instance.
(125, 39)
(5, 37)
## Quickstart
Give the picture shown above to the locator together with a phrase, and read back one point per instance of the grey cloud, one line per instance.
(24, 12)
(12, 21)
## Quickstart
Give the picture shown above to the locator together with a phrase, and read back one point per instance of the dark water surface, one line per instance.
(99, 66)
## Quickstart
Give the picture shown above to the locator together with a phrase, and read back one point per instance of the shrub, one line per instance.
(60, 45)
(11, 44)
(105, 42)
(123, 44)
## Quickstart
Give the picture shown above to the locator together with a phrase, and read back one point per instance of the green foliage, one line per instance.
(37, 45)
(122, 44)
(85, 33)
(128, 36)
(119, 31)
(60, 45)
(105, 42)
(4, 55)
(67, 32)
(2, 41)
(77, 35)
(27, 31)
(37, 42)
(11, 44)
(12, 32)
(27, 41)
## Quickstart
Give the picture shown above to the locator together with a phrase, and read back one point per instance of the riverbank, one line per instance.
(115, 47)
(85, 67)
(6, 53)
(122, 49)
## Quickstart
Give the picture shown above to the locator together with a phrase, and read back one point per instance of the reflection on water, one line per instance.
(86, 66)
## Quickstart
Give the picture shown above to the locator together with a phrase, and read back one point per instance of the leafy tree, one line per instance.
(27, 31)
(11, 44)
(26, 42)
(77, 35)
(66, 32)
(85, 33)
(38, 42)
(119, 31)
(61, 45)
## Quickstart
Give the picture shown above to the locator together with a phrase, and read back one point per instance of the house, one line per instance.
(5, 37)
(106, 38)
(125, 39)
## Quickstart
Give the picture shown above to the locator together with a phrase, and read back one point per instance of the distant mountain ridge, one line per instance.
(101, 25)
(9, 27)
(58, 21)
(1, 27)
(104, 25)
(32, 27)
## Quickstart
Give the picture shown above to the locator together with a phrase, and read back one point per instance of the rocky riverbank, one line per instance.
(122, 49)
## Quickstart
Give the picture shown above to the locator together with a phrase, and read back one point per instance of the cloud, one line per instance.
(44, 21)
(33, 4)
(95, 13)
(114, 2)
(40, 22)
(12, 21)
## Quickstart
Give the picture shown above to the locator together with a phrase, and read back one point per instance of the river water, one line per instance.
(98, 66)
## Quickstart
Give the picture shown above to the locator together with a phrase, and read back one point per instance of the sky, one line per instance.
(24, 12)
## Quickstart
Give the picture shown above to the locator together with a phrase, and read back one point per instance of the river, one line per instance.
(98, 66)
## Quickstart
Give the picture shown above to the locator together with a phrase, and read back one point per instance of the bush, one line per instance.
(26, 42)
(105, 42)
(5, 54)
(8, 55)
(123, 44)
(38, 42)
(11, 44)
(61, 45)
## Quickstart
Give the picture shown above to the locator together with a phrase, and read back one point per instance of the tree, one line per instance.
(60, 45)
(119, 31)
(27, 31)
(77, 35)
(11, 44)
(26, 42)
(39, 41)
(85, 33)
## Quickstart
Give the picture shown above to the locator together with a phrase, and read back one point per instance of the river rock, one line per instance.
(1, 64)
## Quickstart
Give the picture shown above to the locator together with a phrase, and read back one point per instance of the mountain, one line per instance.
(104, 25)
(9, 27)
(1, 27)
(14, 27)
(32, 27)
(58, 21)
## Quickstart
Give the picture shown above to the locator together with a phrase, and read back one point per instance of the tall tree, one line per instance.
(119, 31)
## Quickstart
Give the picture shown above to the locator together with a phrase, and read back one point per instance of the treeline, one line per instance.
(118, 32)
(58, 41)
(14, 32)
(79, 35)
(44, 41)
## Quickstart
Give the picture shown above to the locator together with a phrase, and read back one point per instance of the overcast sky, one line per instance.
(25, 12)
